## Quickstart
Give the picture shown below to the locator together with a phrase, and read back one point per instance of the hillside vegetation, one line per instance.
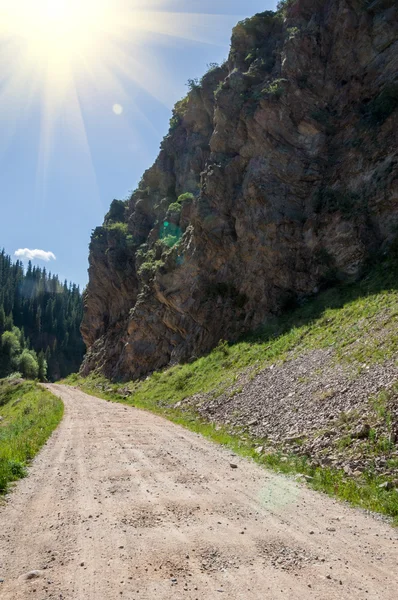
(28, 416)
(355, 326)
(39, 322)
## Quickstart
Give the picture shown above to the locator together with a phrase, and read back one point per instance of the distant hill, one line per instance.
(39, 322)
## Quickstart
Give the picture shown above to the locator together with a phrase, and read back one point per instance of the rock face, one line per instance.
(279, 174)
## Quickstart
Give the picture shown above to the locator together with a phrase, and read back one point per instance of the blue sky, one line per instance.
(64, 155)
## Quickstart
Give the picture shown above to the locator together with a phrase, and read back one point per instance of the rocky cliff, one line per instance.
(279, 175)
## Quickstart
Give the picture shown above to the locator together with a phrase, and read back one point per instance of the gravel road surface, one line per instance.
(124, 504)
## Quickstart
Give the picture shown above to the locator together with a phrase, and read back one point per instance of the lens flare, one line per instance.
(63, 51)
(117, 109)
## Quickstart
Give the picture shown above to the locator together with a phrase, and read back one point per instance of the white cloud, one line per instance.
(34, 254)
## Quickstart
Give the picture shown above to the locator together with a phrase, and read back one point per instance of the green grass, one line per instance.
(29, 415)
(364, 491)
(357, 321)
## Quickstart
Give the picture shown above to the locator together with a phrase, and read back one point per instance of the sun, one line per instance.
(56, 35)
(66, 60)
(54, 43)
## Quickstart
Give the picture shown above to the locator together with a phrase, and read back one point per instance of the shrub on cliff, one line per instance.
(252, 25)
(184, 197)
(178, 113)
(116, 213)
(276, 88)
(120, 229)
(175, 207)
(171, 240)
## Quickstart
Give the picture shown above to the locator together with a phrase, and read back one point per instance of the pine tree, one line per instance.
(42, 373)
(47, 315)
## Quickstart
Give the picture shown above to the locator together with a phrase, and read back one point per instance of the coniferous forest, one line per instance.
(39, 322)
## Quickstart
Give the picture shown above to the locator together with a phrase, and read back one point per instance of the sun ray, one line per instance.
(151, 75)
(61, 50)
(70, 118)
(199, 27)
(14, 105)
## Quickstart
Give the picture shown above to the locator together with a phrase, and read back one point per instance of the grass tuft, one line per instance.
(29, 414)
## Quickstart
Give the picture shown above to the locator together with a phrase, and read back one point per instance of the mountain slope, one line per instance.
(278, 177)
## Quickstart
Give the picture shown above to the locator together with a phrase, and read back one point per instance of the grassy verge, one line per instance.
(358, 321)
(368, 491)
(29, 414)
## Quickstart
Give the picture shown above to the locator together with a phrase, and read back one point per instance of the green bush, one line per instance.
(10, 342)
(174, 122)
(149, 268)
(13, 376)
(17, 469)
(171, 240)
(117, 212)
(178, 113)
(222, 347)
(255, 24)
(115, 242)
(275, 88)
(193, 84)
(292, 32)
(120, 229)
(28, 364)
(16, 355)
(183, 197)
(170, 234)
(175, 207)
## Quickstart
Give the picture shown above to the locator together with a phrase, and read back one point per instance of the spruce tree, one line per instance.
(47, 314)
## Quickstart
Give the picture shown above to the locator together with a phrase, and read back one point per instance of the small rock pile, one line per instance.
(316, 407)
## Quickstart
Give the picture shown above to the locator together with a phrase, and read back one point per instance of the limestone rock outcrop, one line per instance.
(279, 175)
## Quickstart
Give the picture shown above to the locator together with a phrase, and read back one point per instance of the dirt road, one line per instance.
(123, 504)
